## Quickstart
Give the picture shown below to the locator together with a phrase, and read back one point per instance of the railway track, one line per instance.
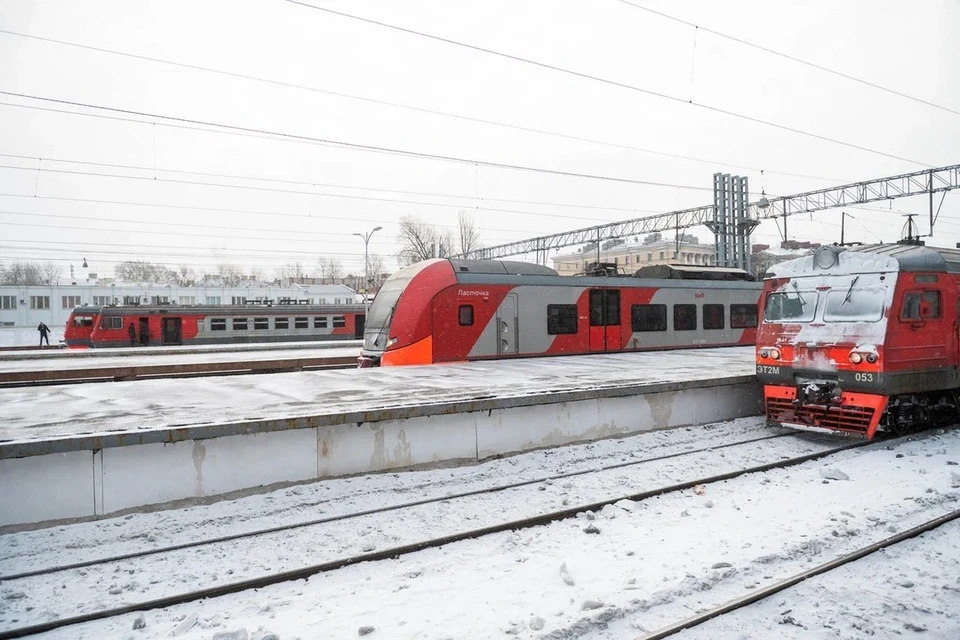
(747, 456)
(784, 584)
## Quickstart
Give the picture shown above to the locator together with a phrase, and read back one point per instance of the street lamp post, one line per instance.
(366, 260)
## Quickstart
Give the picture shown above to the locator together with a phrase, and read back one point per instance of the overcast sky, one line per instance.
(142, 187)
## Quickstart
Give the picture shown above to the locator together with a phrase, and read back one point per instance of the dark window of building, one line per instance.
(218, 324)
(239, 324)
(561, 319)
(261, 324)
(648, 317)
(743, 316)
(281, 323)
(684, 317)
(713, 316)
(465, 315)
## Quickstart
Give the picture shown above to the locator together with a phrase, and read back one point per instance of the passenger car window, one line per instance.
(648, 317)
(465, 315)
(743, 316)
(561, 319)
(684, 317)
(713, 317)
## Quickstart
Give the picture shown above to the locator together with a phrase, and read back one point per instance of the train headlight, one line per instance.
(775, 354)
(764, 354)
(856, 358)
(871, 358)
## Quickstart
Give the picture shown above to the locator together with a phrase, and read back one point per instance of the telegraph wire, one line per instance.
(399, 105)
(607, 81)
(795, 59)
(285, 191)
(362, 147)
(465, 205)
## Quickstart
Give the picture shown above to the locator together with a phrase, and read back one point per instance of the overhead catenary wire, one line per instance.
(400, 105)
(794, 58)
(606, 81)
(293, 137)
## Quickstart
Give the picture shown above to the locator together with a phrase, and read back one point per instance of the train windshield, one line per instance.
(793, 306)
(854, 305)
(381, 310)
(82, 321)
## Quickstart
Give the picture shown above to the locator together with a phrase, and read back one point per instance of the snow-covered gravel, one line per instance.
(628, 568)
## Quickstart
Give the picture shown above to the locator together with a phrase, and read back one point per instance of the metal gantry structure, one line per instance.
(926, 181)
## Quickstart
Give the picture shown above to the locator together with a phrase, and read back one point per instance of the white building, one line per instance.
(27, 306)
(629, 254)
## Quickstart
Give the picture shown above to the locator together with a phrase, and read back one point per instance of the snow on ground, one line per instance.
(631, 567)
(27, 337)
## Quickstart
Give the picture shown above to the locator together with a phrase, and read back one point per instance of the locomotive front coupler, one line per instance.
(818, 392)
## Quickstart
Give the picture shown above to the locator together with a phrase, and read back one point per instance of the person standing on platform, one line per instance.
(44, 333)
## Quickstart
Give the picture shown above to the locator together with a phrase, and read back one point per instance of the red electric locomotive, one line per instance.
(448, 310)
(114, 326)
(862, 339)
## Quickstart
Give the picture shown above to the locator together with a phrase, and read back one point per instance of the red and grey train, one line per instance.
(451, 310)
(862, 339)
(114, 326)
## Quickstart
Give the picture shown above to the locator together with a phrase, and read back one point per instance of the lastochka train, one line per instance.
(451, 310)
(862, 339)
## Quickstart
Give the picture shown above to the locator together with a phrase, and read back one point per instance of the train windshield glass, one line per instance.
(793, 306)
(82, 321)
(854, 305)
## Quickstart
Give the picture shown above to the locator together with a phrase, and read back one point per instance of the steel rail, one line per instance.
(777, 587)
(394, 552)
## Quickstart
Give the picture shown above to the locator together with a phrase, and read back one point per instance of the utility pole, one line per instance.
(366, 262)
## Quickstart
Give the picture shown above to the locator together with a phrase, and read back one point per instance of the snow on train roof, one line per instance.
(875, 258)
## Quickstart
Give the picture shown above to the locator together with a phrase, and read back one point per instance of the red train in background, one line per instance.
(862, 339)
(114, 326)
(450, 310)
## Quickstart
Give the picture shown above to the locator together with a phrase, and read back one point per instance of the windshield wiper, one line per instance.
(846, 298)
(796, 289)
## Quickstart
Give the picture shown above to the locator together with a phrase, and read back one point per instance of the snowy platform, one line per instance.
(88, 450)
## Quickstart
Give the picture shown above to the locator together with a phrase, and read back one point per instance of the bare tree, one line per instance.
(185, 276)
(420, 241)
(135, 271)
(331, 270)
(26, 273)
(293, 271)
(375, 269)
(469, 235)
(229, 275)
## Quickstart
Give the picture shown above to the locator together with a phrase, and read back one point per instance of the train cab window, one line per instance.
(239, 324)
(713, 316)
(111, 322)
(648, 317)
(218, 324)
(339, 321)
(301, 323)
(320, 322)
(794, 306)
(261, 324)
(684, 317)
(920, 304)
(743, 316)
(281, 323)
(83, 321)
(465, 315)
(561, 319)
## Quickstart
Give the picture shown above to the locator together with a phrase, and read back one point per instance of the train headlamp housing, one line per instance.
(775, 353)
(872, 358)
(856, 358)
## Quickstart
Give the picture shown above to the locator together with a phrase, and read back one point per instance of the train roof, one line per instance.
(232, 310)
(913, 257)
(874, 257)
(502, 267)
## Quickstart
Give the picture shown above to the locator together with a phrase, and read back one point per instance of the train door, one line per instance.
(604, 320)
(359, 322)
(144, 332)
(507, 338)
(171, 331)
